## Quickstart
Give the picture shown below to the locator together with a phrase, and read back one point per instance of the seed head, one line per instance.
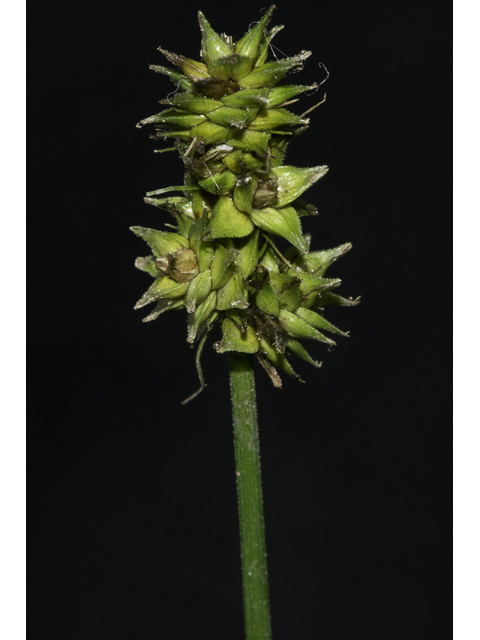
(229, 123)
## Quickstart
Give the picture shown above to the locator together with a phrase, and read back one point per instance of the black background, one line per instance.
(133, 521)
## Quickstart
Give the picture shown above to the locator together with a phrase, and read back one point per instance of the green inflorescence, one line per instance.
(229, 123)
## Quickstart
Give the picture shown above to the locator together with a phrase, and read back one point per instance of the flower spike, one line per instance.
(230, 123)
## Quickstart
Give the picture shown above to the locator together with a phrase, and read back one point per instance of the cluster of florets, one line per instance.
(229, 123)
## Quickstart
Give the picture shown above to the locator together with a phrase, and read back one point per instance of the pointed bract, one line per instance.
(213, 46)
(198, 290)
(299, 350)
(191, 68)
(148, 265)
(245, 187)
(298, 328)
(277, 359)
(292, 181)
(324, 299)
(270, 74)
(250, 43)
(219, 184)
(178, 78)
(247, 98)
(160, 242)
(227, 221)
(247, 255)
(234, 340)
(282, 222)
(222, 266)
(279, 95)
(317, 321)
(319, 261)
(203, 250)
(266, 299)
(232, 68)
(161, 307)
(202, 313)
(164, 287)
(265, 43)
(232, 294)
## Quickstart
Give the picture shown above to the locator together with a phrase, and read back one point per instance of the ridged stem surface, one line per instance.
(250, 501)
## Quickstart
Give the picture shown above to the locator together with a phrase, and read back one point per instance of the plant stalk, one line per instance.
(250, 502)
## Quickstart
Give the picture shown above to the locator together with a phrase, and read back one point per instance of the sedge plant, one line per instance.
(222, 263)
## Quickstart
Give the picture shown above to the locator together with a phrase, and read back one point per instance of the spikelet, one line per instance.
(229, 123)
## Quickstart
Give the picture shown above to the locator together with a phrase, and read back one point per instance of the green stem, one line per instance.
(250, 503)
